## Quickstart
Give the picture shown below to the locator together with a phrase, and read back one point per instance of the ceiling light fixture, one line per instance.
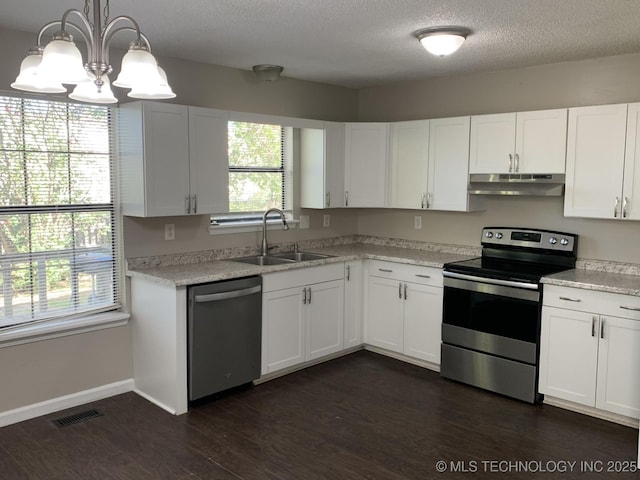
(267, 73)
(442, 41)
(46, 69)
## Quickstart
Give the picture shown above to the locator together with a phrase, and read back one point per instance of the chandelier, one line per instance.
(46, 69)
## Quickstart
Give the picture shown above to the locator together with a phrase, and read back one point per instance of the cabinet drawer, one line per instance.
(603, 303)
(302, 276)
(406, 273)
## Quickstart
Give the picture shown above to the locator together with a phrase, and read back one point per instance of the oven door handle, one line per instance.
(493, 281)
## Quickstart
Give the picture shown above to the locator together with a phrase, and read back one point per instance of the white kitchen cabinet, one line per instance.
(365, 158)
(523, 142)
(409, 164)
(302, 316)
(590, 349)
(322, 166)
(404, 309)
(173, 159)
(353, 299)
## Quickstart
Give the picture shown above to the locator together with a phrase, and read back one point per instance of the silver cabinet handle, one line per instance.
(428, 200)
(424, 200)
(304, 296)
(405, 291)
(510, 163)
(593, 326)
(625, 202)
(187, 203)
(328, 198)
(309, 295)
(602, 328)
(419, 275)
(346, 198)
(517, 163)
(634, 309)
(348, 272)
(569, 299)
(400, 290)
(385, 270)
(615, 207)
(195, 204)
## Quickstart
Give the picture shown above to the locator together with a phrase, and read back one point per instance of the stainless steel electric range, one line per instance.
(492, 305)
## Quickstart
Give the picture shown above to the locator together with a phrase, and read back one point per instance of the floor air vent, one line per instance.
(77, 418)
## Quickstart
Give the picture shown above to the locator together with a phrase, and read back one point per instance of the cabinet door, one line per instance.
(449, 163)
(568, 355)
(208, 161)
(492, 143)
(409, 164)
(366, 151)
(422, 322)
(595, 161)
(324, 312)
(353, 304)
(619, 366)
(384, 316)
(312, 168)
(334, 164)
(631, 188)
(283, 329)
(166, 156)
(541, 141)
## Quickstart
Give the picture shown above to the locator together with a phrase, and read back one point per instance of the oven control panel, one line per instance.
(529, 238)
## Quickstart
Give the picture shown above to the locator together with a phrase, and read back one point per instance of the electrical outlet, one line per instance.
(326, 220)
(304, 221)
(169, 231)
(417, 222)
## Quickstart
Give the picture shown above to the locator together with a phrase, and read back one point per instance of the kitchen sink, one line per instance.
(300, 256)
(262, 260)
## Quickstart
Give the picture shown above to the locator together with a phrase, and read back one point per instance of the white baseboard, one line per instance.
(66, 401)
(153, 400)
(593, 412)
(404, 358)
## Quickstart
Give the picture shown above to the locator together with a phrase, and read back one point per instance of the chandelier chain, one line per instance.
(86, 8)
(106, 12)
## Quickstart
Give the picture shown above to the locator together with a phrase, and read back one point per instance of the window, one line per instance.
(258, 171)
(58, 250)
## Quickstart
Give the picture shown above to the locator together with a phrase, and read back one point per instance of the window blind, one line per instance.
(58, 238)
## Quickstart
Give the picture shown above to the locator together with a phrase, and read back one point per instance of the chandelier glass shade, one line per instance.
(46, 69)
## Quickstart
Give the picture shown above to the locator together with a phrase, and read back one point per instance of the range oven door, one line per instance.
(490, 335)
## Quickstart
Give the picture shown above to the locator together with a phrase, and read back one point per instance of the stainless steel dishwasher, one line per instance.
(224, 335)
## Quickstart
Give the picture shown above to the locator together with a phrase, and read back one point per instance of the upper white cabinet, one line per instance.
(602, 174)
(523, 142)
(590, 349)
(322, 166)
(173, 159)
(365, 158)
(409, 164)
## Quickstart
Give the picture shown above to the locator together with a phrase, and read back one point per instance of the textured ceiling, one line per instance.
(359, 43)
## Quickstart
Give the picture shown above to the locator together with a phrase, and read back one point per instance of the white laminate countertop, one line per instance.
(602, 281)
(215, 270)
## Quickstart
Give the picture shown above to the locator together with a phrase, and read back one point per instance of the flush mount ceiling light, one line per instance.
(46, 69)
(442, 41)
(267, 73)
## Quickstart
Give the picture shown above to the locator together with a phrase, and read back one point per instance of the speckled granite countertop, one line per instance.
(223, 269)
(604, 281)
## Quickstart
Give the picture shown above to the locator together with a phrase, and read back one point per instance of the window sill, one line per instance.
(62, 328)
(250, 226)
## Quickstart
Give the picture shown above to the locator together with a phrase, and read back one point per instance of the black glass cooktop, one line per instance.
(528, 272)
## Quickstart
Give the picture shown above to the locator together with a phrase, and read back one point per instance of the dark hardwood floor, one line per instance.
(363, 416)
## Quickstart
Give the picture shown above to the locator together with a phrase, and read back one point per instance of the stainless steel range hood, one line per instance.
(546, 185)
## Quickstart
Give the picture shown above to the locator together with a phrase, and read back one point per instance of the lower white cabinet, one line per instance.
(590, 349)
(302, 315)
(404, 309)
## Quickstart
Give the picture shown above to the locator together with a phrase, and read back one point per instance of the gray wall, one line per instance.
(588, 82)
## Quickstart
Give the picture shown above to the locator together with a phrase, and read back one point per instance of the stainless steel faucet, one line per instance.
(265, 248)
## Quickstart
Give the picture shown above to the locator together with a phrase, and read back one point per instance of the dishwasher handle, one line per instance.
(214, 297)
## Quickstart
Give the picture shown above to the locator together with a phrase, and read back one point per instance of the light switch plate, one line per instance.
(169, 231)
(417, 222)
(304, 221)
(326, 220)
